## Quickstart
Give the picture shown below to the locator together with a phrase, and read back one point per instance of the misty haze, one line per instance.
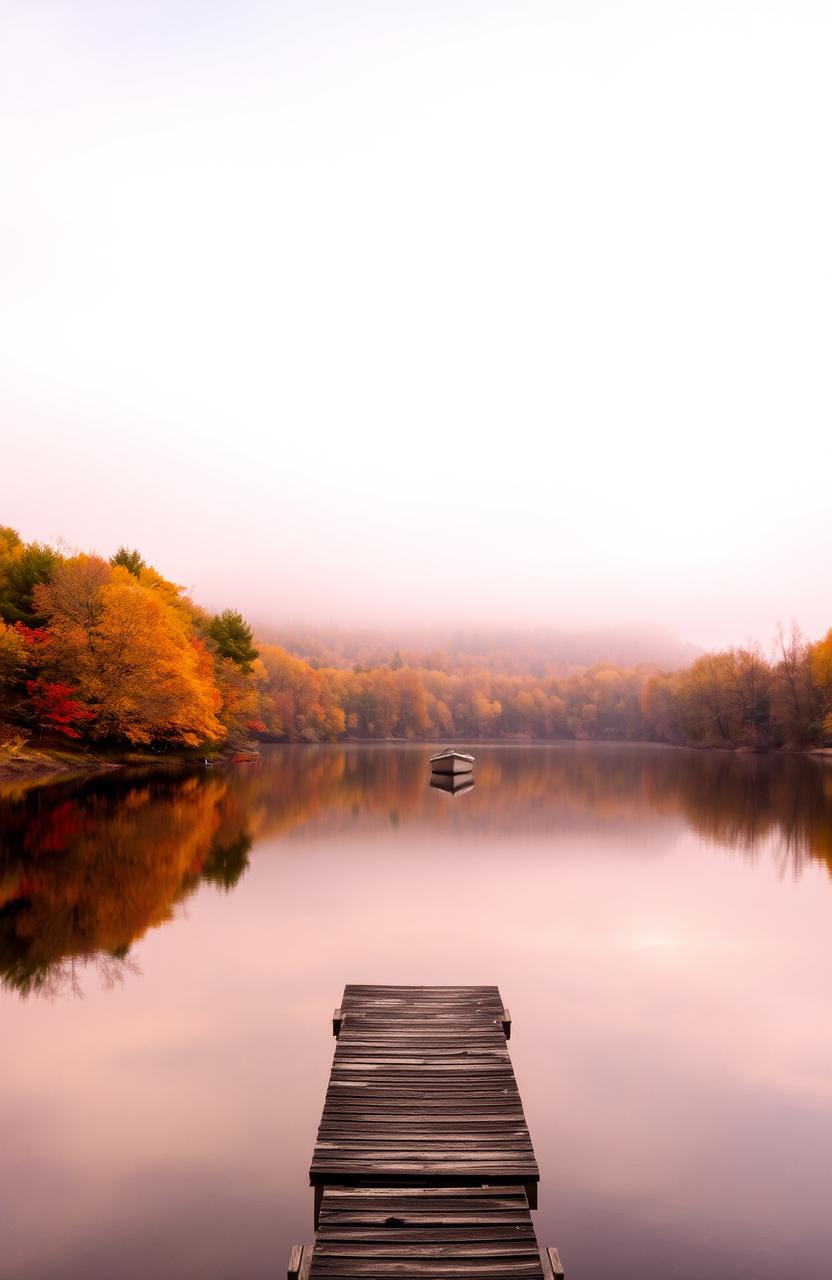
(415, 563)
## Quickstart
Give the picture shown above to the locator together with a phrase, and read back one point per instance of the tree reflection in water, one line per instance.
(86, 868)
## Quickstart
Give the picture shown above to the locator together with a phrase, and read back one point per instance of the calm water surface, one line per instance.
(658, 921)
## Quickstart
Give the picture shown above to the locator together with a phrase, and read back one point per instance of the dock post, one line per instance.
(300, 1260)
(552, 1266)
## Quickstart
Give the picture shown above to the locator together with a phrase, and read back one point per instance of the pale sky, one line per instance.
(466, 312)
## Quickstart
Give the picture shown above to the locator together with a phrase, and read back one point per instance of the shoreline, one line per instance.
(43, 765)
(40, 766)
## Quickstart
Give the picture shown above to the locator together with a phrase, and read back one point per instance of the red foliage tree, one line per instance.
(56, 706)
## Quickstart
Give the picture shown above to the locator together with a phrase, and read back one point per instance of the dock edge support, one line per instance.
(337, 1022)
(552, 1267)
(300, 1260)
(506, 1021)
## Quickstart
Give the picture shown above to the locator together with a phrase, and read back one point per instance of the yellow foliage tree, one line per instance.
(239, 693)
(131, 655)
(146, 678)
(12, 655)
(820, 660)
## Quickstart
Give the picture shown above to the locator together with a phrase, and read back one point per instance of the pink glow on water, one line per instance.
(671, 1037)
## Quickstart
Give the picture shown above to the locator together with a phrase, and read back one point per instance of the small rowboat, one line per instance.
(452, 761)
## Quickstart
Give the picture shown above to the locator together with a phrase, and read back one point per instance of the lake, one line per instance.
(659, 922)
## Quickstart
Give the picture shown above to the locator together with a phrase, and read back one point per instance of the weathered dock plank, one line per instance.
(422, 1090)
(437, 1231)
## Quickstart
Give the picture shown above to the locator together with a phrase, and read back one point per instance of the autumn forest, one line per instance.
(110, 652)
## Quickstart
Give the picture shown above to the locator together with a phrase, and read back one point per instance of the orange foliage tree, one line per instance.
(130, 654)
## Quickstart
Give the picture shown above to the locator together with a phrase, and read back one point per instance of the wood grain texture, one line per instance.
(552, 1268)
(300, 1261)
(425, 1232)
(422, 1090)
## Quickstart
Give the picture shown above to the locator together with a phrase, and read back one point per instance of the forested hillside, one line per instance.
(111, 652)
(542, 651)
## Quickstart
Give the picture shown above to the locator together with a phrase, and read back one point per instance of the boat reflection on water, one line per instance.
(454, 783)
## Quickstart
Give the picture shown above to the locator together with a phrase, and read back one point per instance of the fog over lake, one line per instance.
(470, 313)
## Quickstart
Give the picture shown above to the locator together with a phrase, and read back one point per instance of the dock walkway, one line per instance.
(422, 1088)
(423, 1164)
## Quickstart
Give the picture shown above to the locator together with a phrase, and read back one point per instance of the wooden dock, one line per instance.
(423, 1164)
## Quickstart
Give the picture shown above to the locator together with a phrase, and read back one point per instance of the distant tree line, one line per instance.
(111, 652)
